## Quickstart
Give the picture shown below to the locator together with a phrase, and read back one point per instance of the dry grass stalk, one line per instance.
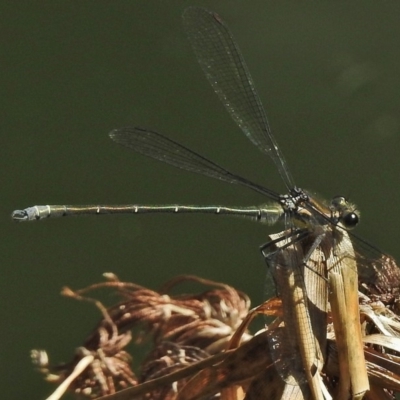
(304, 303)
(343, 296)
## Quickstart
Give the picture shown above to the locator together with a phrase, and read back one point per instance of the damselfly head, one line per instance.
(344, 212)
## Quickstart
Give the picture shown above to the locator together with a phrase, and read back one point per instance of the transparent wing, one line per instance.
(159, 147)
(377, 271)
(224, 66)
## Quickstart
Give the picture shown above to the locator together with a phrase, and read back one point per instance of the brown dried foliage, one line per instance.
(202, 347)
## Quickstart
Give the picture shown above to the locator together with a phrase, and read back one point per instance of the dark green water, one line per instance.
(328, 75)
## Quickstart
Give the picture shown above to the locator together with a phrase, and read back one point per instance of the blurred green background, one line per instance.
(329, 77)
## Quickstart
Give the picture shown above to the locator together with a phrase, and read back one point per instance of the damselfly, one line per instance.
(225, 69)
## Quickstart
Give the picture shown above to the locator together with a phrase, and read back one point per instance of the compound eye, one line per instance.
(350, 220)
